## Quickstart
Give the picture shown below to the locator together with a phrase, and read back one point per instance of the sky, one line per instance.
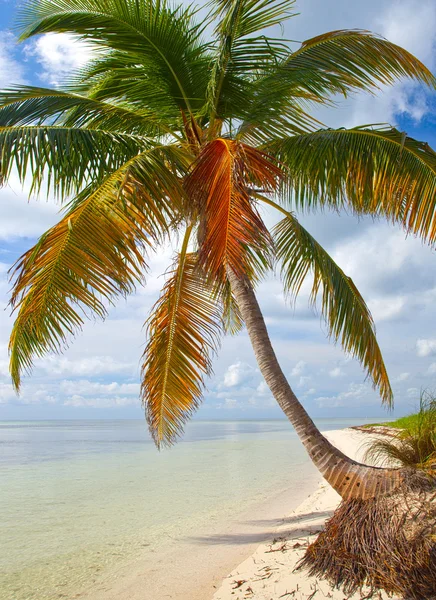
(98, 376)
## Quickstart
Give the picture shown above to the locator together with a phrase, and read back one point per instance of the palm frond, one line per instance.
(242, 49)
(66, 159)
(235, 237)
(339, 62)
(371, 171)
(183, 334)
(347, 316)
(164, 39)
(232, 318)
(27, 105)
(93, 254)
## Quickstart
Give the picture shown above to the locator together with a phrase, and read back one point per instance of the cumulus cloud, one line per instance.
(91, 365)
(336, 372)
(237, 374)
(355, 392)
(298, 369)
(85, 387)
(425, 347)
(59, 55)
(402, 377)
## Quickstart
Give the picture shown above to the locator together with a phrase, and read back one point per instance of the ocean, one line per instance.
(79, 498)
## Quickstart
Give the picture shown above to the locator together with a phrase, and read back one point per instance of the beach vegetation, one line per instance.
(414, 444)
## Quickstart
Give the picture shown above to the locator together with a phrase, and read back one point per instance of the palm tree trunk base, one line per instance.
(385, 543)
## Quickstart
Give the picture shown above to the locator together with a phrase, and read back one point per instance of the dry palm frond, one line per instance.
(235, 236)
(183, 333)
(385, 543)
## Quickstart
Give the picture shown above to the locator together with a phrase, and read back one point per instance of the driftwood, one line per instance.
(386, 543)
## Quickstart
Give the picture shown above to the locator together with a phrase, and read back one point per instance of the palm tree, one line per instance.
(167, 131)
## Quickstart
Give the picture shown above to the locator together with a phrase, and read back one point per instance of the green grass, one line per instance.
(401, 423)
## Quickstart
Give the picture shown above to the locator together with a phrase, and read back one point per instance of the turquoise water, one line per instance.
(78, 497)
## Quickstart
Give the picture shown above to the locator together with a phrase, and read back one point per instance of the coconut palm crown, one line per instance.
(170, 129)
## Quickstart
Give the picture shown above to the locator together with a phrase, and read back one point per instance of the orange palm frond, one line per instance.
(183, 333)
(235, 236)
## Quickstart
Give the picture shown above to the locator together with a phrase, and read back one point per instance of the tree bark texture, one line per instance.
(348, 477)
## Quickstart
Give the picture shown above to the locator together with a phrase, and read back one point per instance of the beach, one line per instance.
(274, 536)
(113, 519)
(269, 573)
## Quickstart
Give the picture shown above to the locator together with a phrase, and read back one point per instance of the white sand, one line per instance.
(268, 573)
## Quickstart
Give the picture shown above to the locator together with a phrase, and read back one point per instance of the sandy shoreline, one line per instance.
(195, 567)
(268, 573)
(198, 568)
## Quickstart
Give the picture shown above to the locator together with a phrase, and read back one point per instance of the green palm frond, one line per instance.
(232, 318)
(183, 334)
(65, 159)
(341, 61)
(347, 316)
(338, 62)
(26, 105)
(242, 49)
(163, 39)
(93, 254)
(372, 171)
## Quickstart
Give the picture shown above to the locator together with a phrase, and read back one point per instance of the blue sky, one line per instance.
(98, 377)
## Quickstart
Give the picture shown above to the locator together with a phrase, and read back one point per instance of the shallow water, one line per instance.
(79, 497)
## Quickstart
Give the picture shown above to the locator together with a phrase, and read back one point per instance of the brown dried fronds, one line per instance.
(386, 543)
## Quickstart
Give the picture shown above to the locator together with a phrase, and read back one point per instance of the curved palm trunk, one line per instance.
(348, 477)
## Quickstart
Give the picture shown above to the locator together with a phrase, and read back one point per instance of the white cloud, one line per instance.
(7, 393)
(402, 377)
(238, 373)
(11, 69)
(411, 25)
(119, 401)
(336, 372)
(59, 54)
(304, 380)
(21, 218)
(263, 388)
(230, 403)
(356, 391)
(425, 347)
(91, 365)
(298, 369)
(85, 387)
(386, 308)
